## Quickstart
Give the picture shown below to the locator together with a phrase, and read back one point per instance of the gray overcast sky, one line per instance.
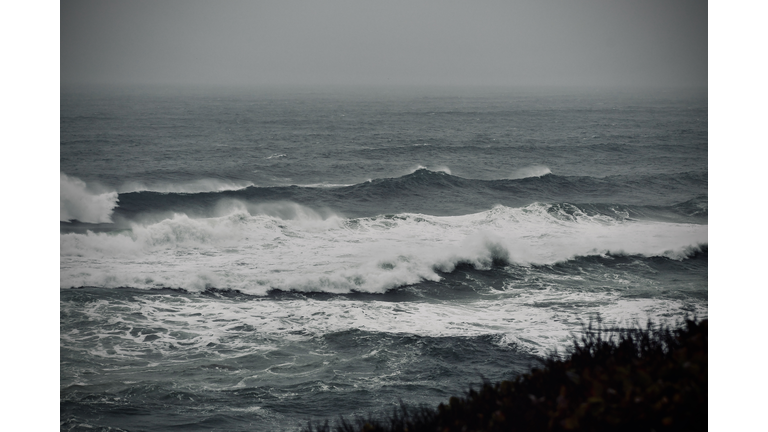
(514, 42)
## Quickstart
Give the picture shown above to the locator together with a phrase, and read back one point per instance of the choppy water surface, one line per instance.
(251, 260)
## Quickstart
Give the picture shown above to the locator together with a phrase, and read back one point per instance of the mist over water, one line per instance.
(397, 43)
(256, 259)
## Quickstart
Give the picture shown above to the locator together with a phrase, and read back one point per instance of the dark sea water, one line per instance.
(250, 260)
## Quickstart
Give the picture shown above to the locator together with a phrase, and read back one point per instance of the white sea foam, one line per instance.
(518, 318)
(529, 171)
(290, 247)
(78, 201)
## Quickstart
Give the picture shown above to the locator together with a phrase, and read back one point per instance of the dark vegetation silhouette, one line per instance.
(632, 379)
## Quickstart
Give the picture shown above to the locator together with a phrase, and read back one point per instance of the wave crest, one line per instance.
(77, 202)
(256, 248)
(440, 168)
(194, 186)
(530, 171)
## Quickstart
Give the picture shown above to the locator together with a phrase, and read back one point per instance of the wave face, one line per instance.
(256, 259)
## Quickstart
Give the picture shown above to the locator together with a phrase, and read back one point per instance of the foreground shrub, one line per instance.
(638, 379)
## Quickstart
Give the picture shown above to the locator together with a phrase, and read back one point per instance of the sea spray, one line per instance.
(78, 202)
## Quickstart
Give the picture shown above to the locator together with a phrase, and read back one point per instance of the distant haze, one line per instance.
(659, 43)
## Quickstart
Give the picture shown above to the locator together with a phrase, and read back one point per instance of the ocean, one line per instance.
(254, 259)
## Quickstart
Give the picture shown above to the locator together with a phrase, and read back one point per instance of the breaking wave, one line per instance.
(290, 247)
(78, 202)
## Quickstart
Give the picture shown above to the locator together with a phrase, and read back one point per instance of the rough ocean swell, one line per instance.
(437, 193)
(253, 261)
(255, 239)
